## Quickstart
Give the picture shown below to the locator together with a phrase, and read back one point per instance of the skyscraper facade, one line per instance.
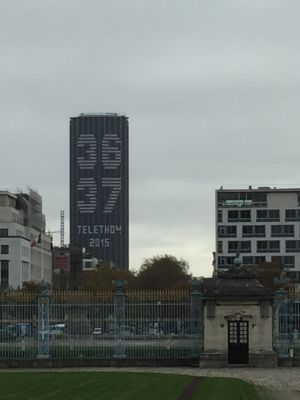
(99, 187)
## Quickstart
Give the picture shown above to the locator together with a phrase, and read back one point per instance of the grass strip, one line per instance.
(91, 386)
(120, 386)
(229, 389)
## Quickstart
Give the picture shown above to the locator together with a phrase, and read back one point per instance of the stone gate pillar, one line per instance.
(43, 324)
(119, 319)
(196, 308)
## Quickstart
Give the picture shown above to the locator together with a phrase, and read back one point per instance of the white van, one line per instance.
(57, 331)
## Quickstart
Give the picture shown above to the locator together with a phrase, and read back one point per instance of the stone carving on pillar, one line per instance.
(238, 316)
(264, 309)
(210, 309)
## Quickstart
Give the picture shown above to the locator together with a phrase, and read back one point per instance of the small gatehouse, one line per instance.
(237, 313)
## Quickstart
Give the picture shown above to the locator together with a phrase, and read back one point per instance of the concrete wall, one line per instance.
(19, 251)
(111, 362)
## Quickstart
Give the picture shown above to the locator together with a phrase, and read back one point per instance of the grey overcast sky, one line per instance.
(211, 89)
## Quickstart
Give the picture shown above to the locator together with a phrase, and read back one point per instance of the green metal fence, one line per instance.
(119, 324)
(287, 323)
(101, 325)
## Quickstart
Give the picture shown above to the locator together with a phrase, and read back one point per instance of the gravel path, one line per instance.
(189, 391)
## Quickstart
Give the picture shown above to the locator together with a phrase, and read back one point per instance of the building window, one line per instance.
(245, 215)
(220, 246)
(274, 245)
(239, 199)
(245, 247)
(221, 262)
(260, 260)
(268, 246)
(25, 271)
(233, 247)
(229, 261)
(251, 260)
(289, 261)
(226, 231)
(239, 215)
(225, 262)
(292, 246)
(259, 199)
(233, 215)
(25, 251)
(4, 248)
(4, 274)
(293, 275)
(254, 231)
(3, 232)
(292, 215)
(282, 231)
(284, 261)
(220, 216)
(277, 260)
(267, 215)
(248, 260)
(239, 246)
(262, 246)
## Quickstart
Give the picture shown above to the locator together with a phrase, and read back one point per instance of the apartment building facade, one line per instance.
(261, 225)
(25, 248)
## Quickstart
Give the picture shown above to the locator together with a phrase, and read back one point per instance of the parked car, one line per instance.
(127, 330)
(97, 333)
(7, 336)
(21, 329)
(56, 331)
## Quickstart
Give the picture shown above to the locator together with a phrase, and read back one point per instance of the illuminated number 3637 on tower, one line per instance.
(99, 186)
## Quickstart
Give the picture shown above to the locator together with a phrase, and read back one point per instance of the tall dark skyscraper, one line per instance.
(99, 186)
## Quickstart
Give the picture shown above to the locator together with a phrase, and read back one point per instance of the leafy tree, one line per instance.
(33, 286)
(102, 278)
(163, 272)
(61, 280)
(268, 274)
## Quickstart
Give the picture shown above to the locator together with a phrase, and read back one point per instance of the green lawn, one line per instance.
(231, 389)
(118, 386)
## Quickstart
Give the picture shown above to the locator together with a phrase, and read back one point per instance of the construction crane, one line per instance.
(62, 229)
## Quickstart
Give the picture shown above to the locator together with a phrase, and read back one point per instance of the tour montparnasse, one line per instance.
(99, 187)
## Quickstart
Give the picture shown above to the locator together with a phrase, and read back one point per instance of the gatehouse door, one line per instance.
(238, 342)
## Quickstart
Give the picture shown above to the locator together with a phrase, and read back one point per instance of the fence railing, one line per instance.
(287, 323)
(122, 324)
(78, 324)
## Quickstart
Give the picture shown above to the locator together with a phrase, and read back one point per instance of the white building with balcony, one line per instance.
(22, 226)
(261, 225)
